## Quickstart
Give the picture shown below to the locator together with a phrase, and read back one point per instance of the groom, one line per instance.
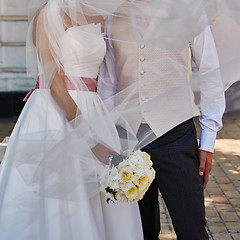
(182, 167)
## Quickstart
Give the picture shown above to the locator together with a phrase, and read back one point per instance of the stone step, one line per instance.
(13, 18)
(12, 44)
(13, 69)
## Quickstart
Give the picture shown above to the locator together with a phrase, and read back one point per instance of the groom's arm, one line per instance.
(107, 79)
(212, 97)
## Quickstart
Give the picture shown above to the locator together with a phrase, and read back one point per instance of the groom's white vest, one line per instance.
(170, 68)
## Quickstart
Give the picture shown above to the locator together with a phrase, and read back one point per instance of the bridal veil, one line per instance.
(72, 157)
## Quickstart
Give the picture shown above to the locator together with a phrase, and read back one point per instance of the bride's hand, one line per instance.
(102, 153)
(63, 99)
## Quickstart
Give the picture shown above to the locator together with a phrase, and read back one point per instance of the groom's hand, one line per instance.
(205, 167)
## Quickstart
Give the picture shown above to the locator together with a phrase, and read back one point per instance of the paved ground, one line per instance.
(222, 196)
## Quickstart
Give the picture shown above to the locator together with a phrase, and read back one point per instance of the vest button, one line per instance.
(142, 46)
(142, 72)
(142, 59)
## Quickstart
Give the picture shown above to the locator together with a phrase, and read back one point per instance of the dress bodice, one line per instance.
(83, 49)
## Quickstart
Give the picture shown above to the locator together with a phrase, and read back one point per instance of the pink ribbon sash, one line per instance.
(90, 84)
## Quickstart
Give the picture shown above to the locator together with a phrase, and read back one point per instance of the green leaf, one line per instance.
(111, 191)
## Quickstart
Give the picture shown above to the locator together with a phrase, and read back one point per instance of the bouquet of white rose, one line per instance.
(128, 177)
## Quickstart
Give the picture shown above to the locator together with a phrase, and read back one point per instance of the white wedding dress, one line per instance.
(25, 215)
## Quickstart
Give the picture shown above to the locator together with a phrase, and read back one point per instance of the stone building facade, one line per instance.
(14, 82)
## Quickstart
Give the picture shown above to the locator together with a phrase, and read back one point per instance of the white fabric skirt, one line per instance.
(26, 216)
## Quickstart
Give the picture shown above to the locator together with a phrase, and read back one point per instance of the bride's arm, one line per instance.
(54, 76)
(60, 94)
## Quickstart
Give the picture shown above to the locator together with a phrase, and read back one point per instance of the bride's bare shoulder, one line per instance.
(38, 19)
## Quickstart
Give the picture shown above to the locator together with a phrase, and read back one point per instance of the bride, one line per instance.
(49, 186)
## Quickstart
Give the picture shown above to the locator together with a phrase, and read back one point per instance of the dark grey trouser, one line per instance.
(175, 159)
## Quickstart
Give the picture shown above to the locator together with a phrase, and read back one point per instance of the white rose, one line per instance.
(147, 159)
(134, 160)
(132, 193)
(124, 164)
(151, 175)
(120, 196)
(125, 186)
(142, 192)
(114, 174)
(139, 168)
(136, 176)
(125, 174)
(114, 184)
(142, 182)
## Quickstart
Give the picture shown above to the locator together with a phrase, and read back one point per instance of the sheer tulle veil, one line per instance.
(69, 160)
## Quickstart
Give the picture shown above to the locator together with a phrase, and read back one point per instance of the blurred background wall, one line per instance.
(14, 83)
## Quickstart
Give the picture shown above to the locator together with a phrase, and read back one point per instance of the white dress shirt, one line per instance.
(205, 56)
